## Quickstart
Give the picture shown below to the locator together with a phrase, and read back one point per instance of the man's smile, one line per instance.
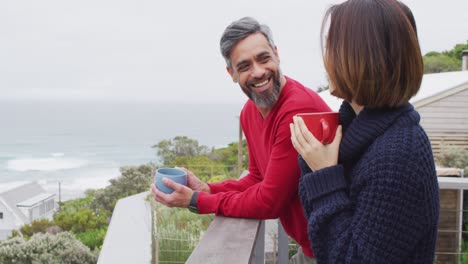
(261, 86)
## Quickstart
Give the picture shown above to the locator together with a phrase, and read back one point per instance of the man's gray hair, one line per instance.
(239, 30)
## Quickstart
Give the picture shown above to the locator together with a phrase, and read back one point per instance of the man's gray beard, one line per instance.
(266, 99)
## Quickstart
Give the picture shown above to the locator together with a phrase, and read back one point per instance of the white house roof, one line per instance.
(432, 86)
(19, 194)
(17, 218)
(35, 200)
(438, 84)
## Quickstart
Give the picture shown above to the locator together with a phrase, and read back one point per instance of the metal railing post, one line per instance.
(258, 256)
(154, 234)
(283, 242)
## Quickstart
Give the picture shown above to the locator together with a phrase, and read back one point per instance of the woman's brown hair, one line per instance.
(372, 53)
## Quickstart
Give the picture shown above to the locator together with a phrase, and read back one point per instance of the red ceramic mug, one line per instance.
(322, 125)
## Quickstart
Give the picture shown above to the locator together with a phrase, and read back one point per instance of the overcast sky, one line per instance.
(169, 50)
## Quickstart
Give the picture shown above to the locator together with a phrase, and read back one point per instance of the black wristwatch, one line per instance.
(193, 203)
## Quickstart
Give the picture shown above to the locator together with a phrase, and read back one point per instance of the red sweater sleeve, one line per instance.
(266, 198)
(242, 184)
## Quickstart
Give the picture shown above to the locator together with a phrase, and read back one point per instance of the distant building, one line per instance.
(22, 205)
(443, 105)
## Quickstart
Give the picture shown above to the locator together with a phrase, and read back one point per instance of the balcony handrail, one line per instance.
(453, 183)
(128, 237)
(232, 240)
(227, 240)
(220, 243)
(237, 240)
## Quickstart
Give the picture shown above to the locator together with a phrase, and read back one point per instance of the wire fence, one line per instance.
(451, 247)
(176, 247)
(178, 231)
(210, 172)
(454, 250)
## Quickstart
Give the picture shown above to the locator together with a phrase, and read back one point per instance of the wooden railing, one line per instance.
(235, 240)
(238, 240)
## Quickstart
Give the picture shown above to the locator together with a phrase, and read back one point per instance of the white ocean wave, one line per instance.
(97, 179)
(44, 164)
(94, 179)
(71, 188)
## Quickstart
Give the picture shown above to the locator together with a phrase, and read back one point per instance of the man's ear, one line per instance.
(232, 74)
(275, 51)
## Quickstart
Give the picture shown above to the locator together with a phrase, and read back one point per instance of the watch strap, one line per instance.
(193, 203)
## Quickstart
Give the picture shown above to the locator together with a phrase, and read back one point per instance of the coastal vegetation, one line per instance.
(81, 224)
(444, 61)
(45, 248)
(210, 165)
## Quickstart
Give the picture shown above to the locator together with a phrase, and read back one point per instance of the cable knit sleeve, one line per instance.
(379, 219)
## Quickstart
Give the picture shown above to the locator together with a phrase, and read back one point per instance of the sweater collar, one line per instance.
(360, 131)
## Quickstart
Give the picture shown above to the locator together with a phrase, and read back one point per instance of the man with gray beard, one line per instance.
(270, 190)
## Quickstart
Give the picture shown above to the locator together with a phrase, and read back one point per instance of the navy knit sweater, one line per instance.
(380, 204)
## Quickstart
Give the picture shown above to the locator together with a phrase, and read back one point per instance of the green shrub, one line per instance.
(80, 221)
(133, 180)
(37, 226)
(178, 232)
(93, 238)
(464, 253)
(46, 249)
(453, 157)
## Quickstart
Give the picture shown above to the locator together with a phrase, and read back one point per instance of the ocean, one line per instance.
(82, 145)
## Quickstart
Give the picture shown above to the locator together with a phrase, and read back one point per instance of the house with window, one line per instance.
(442, 103)
(22, 205)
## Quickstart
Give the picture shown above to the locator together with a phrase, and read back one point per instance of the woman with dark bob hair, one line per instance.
(371, 196)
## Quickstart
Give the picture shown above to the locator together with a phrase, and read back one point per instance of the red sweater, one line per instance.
(270, 190)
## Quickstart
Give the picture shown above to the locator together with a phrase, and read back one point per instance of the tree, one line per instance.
(133, 180)
(205, 168)
(229, 157)
(214, 165)
(445, 61)
(440, 63)
(180, 146)
(457, 51)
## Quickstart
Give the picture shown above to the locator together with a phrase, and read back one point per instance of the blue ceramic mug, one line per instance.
(174, 174)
